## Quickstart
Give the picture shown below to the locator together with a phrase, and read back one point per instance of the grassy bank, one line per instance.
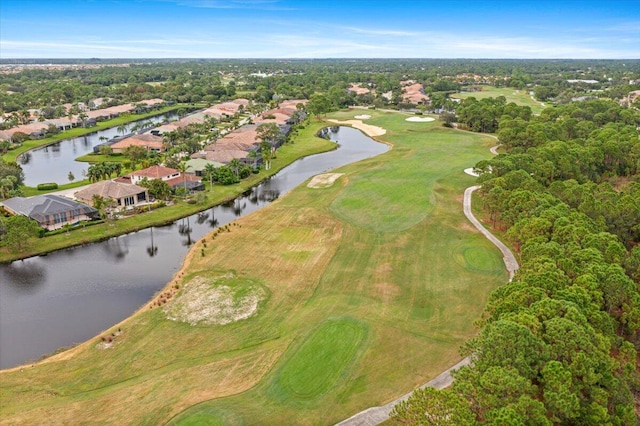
(371, 285)
(28, 145)
(305, 144)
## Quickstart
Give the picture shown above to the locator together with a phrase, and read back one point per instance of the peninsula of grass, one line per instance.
(306, 143)
(518, 97)
(28, 145)
(374, 283)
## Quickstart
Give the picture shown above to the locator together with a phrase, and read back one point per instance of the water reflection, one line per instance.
(117, 248)
(71, 295)
(185, 230)
(152, 250)
(53, 163)
(24, 276)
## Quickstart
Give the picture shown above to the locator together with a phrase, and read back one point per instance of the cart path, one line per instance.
(376, 415)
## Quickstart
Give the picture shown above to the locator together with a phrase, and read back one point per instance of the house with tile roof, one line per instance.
(50, 211)
(196, 166)
(173, 177)
(148, 141)
(123, 194)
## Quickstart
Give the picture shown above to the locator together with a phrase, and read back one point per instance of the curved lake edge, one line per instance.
(6, 258)
(60, 137)
(68, 351)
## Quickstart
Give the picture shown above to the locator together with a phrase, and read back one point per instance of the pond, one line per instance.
(53, 163)
(69, 296)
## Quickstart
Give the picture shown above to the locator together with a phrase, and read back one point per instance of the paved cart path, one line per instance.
(376, 415)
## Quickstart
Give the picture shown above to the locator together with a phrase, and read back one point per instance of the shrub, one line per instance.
(47, 186)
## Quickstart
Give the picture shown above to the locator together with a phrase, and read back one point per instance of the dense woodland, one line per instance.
(557, 345)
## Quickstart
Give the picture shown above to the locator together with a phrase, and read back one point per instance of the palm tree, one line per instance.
(235, 165)
(266, 153)
(209, 171)
(182, 168)
(253, 154)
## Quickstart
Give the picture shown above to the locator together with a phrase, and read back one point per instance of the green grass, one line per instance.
(305, 144)
(519, 97)
(28, 145)
(29, 191)
(362, 307)
(313, 368)
(99, 158)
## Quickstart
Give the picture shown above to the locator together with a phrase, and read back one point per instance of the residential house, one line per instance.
(196, 166)
(124, 195)
(414, 94)
(154, 172)
(148, 141)
(173, 177)
(50, 211)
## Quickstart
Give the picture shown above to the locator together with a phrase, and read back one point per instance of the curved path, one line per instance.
(376, 415)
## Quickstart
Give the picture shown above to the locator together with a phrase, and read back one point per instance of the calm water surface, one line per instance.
(54, 162)
(66, 297)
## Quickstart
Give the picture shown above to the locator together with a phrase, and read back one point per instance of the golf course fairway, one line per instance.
(350, 294)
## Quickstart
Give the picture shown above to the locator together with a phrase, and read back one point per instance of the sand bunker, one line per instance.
(216, 301)
(470, 171)
(324, 180)
(368, 129)
(362, 117)
(420, 119)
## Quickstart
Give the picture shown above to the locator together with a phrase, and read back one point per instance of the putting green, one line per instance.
(478, 258)
(317, 364)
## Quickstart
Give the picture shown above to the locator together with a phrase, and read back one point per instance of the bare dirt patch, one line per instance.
(215, 301)
(368, 129)
(324, 180)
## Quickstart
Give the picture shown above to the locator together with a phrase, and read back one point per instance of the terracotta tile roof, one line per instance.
(155, 172)
(414, 93)
(183, 178)
(357, 89)
(226, 156)
(109, 189)
(145, 140)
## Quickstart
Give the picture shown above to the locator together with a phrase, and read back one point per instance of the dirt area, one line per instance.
(324, 180)
(368, 129)
(210, 301)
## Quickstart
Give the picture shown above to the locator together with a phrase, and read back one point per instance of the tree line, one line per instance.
(559, 343)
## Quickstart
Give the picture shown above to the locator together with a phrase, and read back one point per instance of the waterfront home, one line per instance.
(50, 211)
(148, 141)
(173, 177)
(196, 166)
(123, 194)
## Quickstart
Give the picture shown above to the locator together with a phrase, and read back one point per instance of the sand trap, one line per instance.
(324, 180)
(362, 117)
(420, 119)
(470, 171)
(368, 129)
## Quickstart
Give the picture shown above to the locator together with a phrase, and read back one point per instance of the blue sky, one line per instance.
(319, 29)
